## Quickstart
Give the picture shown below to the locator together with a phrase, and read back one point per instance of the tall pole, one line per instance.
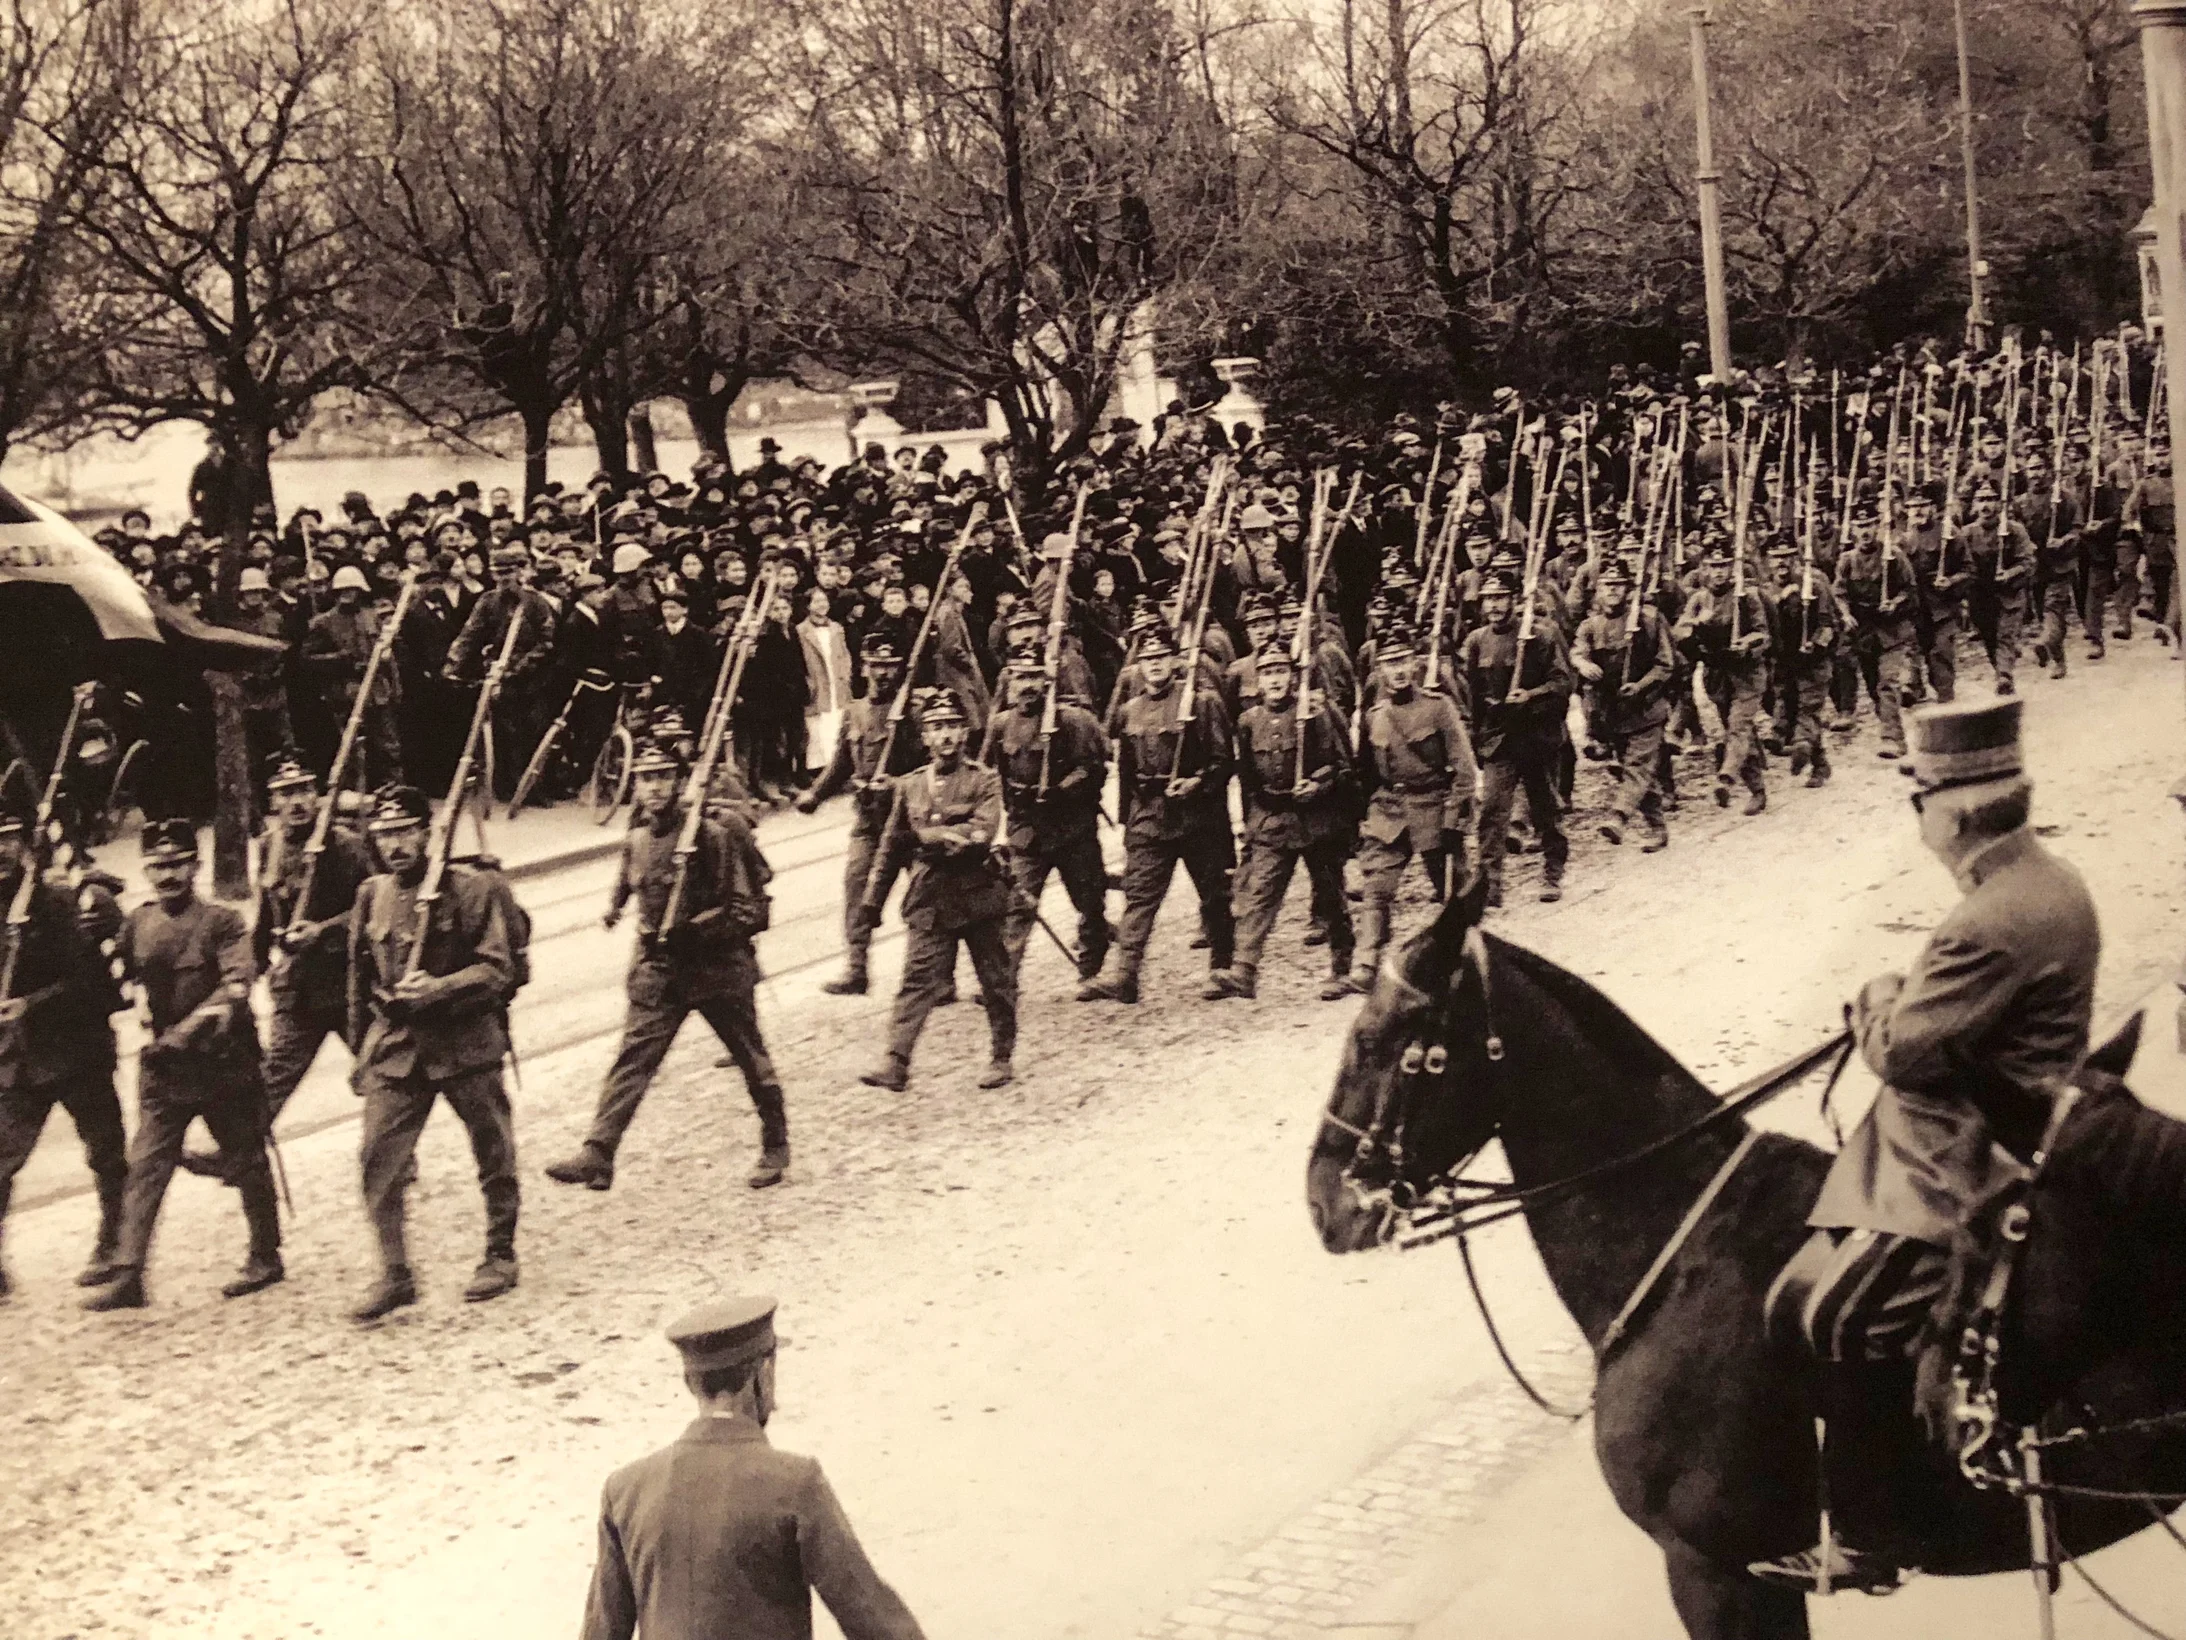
(1711, 206)
(1977, 307)
(2162, 25)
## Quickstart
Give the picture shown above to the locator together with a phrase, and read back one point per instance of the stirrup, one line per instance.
(1833, 1568)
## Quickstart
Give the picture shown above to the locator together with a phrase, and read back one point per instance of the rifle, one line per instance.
(19, 907)
(1323, 482)
(322, 822)
(1446, 557)
(440, 841)
(1426, 509)
(742, 640)
(1739, 517)
(1054, 667)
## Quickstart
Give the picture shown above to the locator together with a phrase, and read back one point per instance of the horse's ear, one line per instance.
(1435, 952)
(2115, 1057)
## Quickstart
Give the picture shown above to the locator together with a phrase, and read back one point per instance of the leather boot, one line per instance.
(591, 1167)
(853, 979)
(262, 1211)
(260, 1271)
(1121, 984)
(1882, 1480)
(126, 1291)
(772, 1167)
(495, 1275)
(100, 1270)
(1756, 800)
(1226, 983)
(998, 1074)
(1613, 828)
(395, 1290)
(891, 1073)
(1658, 835)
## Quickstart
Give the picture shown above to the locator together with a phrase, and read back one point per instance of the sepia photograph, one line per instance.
(1092, 820)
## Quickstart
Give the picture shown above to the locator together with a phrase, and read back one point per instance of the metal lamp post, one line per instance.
(1711, 205)
(1977, 271)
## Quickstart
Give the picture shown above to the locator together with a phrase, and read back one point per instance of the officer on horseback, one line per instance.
(1971, 1047)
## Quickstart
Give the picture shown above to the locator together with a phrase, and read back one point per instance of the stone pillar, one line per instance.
(1238, 404)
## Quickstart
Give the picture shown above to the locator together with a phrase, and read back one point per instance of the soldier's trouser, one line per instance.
(1856, 1295)
(379, 751)
(2058, 613)
(1940, 654)
(1895, 659)
(649, 1029)
(2163, 579)
(858, 923)
(1805, 693)
(1867, 655)
(1148, 865)
(91, 1104)
(395, 1109)
(1381, 870)
(1264, 879)
(237, 1121)
(929, 971)
(1639, 752)
(2125, 577)
(1500, 778)
(1085, 880)
(2000, 626)
(1737, 697)
(292, 1045)
(2095, 606)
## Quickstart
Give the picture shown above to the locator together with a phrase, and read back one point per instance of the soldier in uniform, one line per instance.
(1296, 808)
(1628, 658)
(871, 755)
(951, 813)
(2151, 528)
(518, 719)
(192, 962)
(704, 965)
(1174, 783)
(720, 1534)
(1808, 626)
(427, 1025)
(1970, 1047)
(1940, 575)
(1519, 689)
(2052, 520)
(1874, 581)
(1729, 634)
(56, 1047)
(336, 648)
(2000, 558)
(1416, 762)
(1052, 794)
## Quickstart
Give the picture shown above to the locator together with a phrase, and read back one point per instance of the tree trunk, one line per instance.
(247, 451)
(608, 417)
(709, 413)
(642, 441)
(538, 427)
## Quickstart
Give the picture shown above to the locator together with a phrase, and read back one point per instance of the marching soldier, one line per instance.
(1875, 583)
(1737, 663)
(1417, 763)
(1940, 576)
(2151, 528)
(1052, 794)
(1519, 689)
(1296, 808)
(435, 1031)
(1628, 658)
(871, 755)
(336, 648)
(720, 1534)
(2051, 518)
(2000, 557)
(951, 811)
(1174, 783)
(56, 1047)
(1808, 626)
(302, 951)
(704, 965)
(192, 963)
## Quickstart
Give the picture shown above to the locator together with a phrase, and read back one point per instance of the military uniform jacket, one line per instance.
(478, 645)
(1936, 557)
(59, 971)
(462, 1024)
(2001, 558)
(865, 733)
(1863, 581)
(1267, 772)
(1704, 626)
(1151, 745)
(337, 648)
(1808, 623)
(1490, 665)
(1992, 1018)
(1640, 655)
(728, 874)
(181, 962)
(313, 978)
(1078, 747)
(2150, 507)
(1419, 761)
(949, 892)
(721, 1537)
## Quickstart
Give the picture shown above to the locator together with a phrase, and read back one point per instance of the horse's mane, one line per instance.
(1598, 1018)
(2134, 1157)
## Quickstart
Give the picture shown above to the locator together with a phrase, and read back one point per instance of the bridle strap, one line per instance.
(1671, 1248)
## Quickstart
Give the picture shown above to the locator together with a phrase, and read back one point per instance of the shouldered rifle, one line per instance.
(34, 841)
(1324, 481)
(322, 823)
(1439, 616)
(440, 840)
(1426, 509)
(1053, 667)
(1536, 550)
(742, 640)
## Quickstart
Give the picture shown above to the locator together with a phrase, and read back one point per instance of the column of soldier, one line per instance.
(1381, 674)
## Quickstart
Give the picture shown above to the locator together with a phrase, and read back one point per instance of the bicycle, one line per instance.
(589, 682)
(609, 787)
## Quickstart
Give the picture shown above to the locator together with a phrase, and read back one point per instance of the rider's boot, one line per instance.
(1882, 1484)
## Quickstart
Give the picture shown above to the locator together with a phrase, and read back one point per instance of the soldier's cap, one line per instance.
(1718, 553)
(1504, 560)
(1985, 492)
(1154, 639)
(1025, 660)
(730, 1332)
(654, 757)
(938, 707)
(1495, 584)
(1614, 574)
(1966, 743)
(1273, 656)
(510, 557)
(1865, 510)
(1256, 606)
(1256, 517)
(668, 724)
(1023, 614)
(630, 556)
(878, 649)
(350, 577)
(398, 808)
(285, 768)
(1057, 545)
(169, 840)
(1394, 644)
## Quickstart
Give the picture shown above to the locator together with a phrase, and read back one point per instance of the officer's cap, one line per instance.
(730, 1332)
(1966, 743)
(169, 840)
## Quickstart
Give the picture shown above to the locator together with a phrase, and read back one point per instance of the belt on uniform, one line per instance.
(1416, 788)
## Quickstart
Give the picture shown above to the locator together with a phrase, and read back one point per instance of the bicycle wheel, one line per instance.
(535, 770)
(121, 796)
(17, 774)
(611, 775)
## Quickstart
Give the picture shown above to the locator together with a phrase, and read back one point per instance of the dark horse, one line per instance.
(1704, 1429)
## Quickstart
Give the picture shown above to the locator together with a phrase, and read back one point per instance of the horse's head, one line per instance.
(1413, 1100)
